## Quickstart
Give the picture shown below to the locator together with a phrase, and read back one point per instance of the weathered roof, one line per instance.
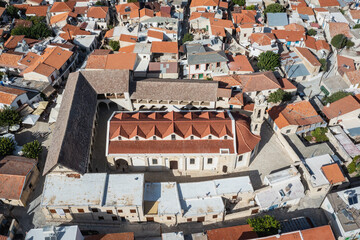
(277, 19)
(175, 89)
(9, 94)
(342, 106)
(241, 232)
(73, 130)
(207, 57)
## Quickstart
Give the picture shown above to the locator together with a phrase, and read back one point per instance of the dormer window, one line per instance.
(209, 137)
(119, 138)
(154, 137)
(225, 137)
(173, 137)
(192, 137)
(136, 138)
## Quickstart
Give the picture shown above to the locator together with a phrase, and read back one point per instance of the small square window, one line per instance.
(173, 137)
(95, 210)
(154, 161)
(192, 137)
(168, 218)
(288, 131)
(119, 138)
(101, 218)
(109, 211)
(66, 210)
(136, 138)
(225, 137)
(192, 160)
(80, 210)
(52, 210)
(234, 197)
(197, 66)
(154, 137)
(215, 216)
(218, 64)
(209, 137)
(209, 160)
(240, 158)
(132, 210)
(189, 220)
(114, 218)
(120, 211)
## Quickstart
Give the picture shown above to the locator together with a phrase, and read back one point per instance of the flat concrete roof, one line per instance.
(233, 185)
(202, 206)
(314, 164)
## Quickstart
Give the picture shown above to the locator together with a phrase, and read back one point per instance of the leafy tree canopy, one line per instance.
(279, 96)
(323, 64)
(264, 226)
(9, 117)
(115, 45)
(339, 41)
(7, 146)
(312, 32)
(251, 7)
(188, 37)
(99, 3)
(274, 8)
(32, 149)
(12, 11)
(349, 44)
(335, 96)
(356, 26)
(268, 61)
(239, 2)
(129, 1)
(36, 31)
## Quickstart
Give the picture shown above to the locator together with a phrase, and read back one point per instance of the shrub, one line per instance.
(12, 11)
(239, 2)
(339, 41)
(349, 44)
(7, 146)
(36, 31)
(32, 149)
(251, 7)
(335, 96)
(264, 226)
(268, 61)
(356, 26)
(323, 64)
(352, 167)
(319, 134)
(274, 8)
(312, 32)
(99, 3)
(115, 45)
(279, 96)
(9, 117)
(188, 37)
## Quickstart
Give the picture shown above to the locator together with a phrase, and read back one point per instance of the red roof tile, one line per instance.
(305, 10)
(345, 64)
(125, 9)
(8, 95)
(333, 173)
(241, 232)
(292, 36)
(164, 47)
(262, 39)
(336, 28)
(98, 12)
(200, 3)
(342, 106)
(353, 76)
(355, 14)
(112, 236)
(63, 6)
(308, 56)
(128, 38)
(13, 41)
(318, 233)
(155, 34)
(329, 3)
(239, 63)
(39, 11)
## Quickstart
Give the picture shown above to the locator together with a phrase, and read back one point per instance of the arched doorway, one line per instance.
(122, 165)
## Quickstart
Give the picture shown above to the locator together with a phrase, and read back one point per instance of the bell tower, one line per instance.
(259, 114)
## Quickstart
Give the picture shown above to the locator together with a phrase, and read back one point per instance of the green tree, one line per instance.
(32, 149)
(335, 96)
(188, 37)
(264, 226)
(323, 64)
(114, 45)
(7, 146)
(311, 32)
(9, 117)
(130, 1)
(274, 8)
(36, 31)
(251, 7)
(268, 61)
(279, 96)
(239, 2)
(339, 41)
(12, 11)
(99, 3)
(356, 26)
(36, 19)
(349, 44)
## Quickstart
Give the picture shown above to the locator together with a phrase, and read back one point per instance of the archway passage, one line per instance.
(122, 165)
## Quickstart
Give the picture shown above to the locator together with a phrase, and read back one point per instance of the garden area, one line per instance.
(317, 136)
(354, 167)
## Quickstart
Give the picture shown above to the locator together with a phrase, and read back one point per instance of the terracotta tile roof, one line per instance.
(328, 3)
(237, 99)
(29, 59)
(112, 61)
(39, 11)
(2, 10)
(217, 31)
(97, 12)
(55, 57)
(10, 60)
(239, 63)
(353, 76)
(318, 233)
(321, 10)
(163, 14)
(8, 94)
(195, 15)
(294, 27)
(241, 232)
(44, 69)
(112, 236)
(21, 6)
(345, 64)
(355, 14)
(127, 49)
(13, 171)
(59, 18)
(146, 12)
(81, 10)
(155, 34)
(322, 44)
(305, 10)
(164, 47)
(13, 41)
(221, 23)
(336, 28)
(200, 3)
(292, 36)
(308, 56)
(70, 31)
(183, 124)
(62, 6)
(340, 107)
(125, 9)
(286, 84)
(134, 14)
(251, 82)
(298, 114)
(109, 33)
(262, 39)
(128, 38)
(333, 173)
(243, 18)
(223, 4)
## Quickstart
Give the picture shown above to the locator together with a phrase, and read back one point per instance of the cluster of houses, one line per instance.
(186, 97)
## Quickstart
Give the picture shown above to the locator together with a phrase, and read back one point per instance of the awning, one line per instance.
(40, 109)
(53, 115)
(31, 119)
(48, 91)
